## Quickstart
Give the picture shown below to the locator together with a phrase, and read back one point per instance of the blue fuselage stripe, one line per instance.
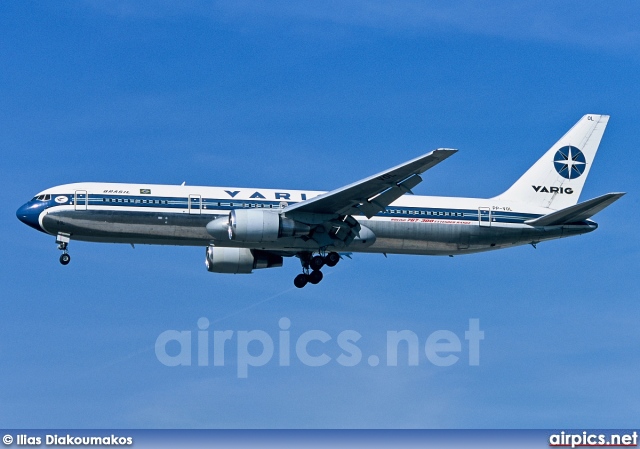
(214, 204)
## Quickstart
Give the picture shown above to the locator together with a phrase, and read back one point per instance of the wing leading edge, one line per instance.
(371, 195)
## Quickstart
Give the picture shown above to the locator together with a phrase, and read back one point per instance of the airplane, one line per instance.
(244, 229)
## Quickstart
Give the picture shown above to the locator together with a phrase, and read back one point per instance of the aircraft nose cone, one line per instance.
(28, 214)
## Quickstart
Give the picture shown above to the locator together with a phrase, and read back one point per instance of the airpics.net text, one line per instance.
(257, 348)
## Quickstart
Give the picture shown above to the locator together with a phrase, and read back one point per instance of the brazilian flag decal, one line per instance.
(145, 191)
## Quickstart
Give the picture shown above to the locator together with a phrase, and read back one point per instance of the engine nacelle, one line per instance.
(239, 260)
(256, 225)
(219, 228)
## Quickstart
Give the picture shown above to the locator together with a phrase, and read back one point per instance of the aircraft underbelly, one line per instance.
(432, 238)
(125, 226)
(441, 238)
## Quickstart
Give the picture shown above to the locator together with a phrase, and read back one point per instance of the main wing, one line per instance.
(373, 194)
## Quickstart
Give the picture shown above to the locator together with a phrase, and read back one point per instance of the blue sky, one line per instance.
(315, 96)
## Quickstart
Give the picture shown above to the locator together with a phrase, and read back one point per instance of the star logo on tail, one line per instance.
(569, 162)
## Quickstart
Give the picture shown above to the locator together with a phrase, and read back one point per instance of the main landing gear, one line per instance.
(63, 241)
(311, 266)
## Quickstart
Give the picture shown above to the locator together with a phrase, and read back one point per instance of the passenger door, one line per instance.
(484, 216)
(195, 204)
(81, 199)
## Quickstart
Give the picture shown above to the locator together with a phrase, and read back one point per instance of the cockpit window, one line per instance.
(46, 197)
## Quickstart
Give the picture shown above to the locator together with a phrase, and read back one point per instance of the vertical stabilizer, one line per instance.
(556, 179)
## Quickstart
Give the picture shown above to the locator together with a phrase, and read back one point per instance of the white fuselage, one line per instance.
(178, 215)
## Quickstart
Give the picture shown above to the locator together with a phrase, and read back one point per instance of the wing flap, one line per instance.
(577, 212)
(379, 202)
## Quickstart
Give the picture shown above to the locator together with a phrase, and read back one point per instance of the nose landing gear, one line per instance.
(311, 266)
(63, 241)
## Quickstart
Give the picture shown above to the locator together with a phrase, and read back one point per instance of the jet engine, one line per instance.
(239, 260)
(256, 226)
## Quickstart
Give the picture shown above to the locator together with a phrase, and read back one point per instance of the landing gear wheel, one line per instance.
(316, 262)
(315, 276)
(332, 259)
(300, 280)
(65, 259)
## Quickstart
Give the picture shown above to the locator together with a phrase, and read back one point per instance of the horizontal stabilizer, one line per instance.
(577, 212)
